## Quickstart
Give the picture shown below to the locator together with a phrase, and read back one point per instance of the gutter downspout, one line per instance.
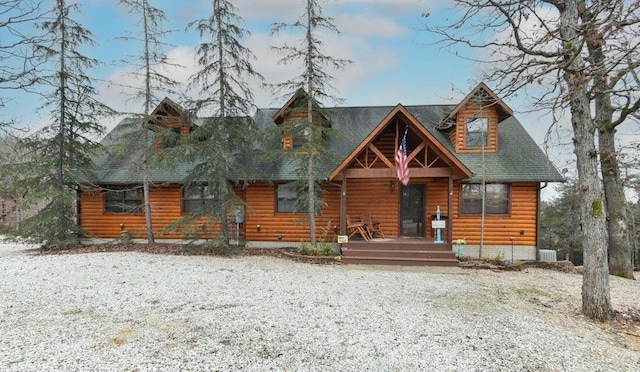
(343, 204)
(539, 214)
(450, 211)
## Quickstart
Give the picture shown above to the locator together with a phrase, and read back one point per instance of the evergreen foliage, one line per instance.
(222, 147)
(18, 66)
(316, 83)
(59, 161)
(154, 84)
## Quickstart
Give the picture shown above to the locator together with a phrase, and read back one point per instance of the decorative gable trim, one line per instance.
(479, 106)
(167, 116)
(458, 169)
(293, 111)
(504, 111)
(291, 105)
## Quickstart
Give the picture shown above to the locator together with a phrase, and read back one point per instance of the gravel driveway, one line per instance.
(132, 311)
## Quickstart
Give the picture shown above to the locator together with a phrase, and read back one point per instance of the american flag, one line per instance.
(402, 162)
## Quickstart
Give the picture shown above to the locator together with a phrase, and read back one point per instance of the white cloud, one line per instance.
(287, 10)
(370, 25)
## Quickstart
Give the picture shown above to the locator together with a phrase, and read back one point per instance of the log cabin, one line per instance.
(456, 156)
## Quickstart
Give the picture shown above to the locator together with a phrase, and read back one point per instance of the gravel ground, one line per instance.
(132, 311)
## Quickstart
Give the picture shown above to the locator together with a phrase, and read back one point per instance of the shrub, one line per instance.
(326, 249)
(305, 248)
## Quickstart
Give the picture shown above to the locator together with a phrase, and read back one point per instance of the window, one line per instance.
(170, 137)
(123, 201)
(477, 132)
(197, 198)
(496, 199)
(286, 198)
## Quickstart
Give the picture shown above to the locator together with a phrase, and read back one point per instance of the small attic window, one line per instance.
(171, 137)
(477, 132)
(294, 138)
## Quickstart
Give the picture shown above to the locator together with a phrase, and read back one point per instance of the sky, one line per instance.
(393, 59)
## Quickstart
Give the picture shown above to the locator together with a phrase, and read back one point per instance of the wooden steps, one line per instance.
(406, 252)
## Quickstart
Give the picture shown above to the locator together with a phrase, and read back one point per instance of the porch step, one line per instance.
(405, 257)
(417, 254)
(399, 244)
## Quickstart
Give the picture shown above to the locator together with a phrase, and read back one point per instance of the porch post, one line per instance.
(343, 205)
(450, 211)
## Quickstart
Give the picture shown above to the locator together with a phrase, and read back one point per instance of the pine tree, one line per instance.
(17, 65)
(154, 82)
(316, 81)
(60, 160)
(224, 143)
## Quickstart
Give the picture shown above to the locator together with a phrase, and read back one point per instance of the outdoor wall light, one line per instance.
(258, 228)
(392, 185)
(122, 226)
(279, 237)
(521, 232)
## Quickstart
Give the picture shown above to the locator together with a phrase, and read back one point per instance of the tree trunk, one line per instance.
(145, 131)
(311, 180)
(619, 241)
(224, 226)
(224, 223)
(62, 73)
(596, 301)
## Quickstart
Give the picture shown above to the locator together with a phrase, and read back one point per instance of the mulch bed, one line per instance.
(192, 250)
(562, 266)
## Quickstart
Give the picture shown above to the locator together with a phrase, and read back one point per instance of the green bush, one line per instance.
(305, 248)
(326, 249)
(125, 237)
(213, 247)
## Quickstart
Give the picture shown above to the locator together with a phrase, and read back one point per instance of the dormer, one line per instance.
(166, 121)
(295, 112)
(473, 123)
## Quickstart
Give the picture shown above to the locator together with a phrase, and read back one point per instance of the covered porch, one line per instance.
(369, 184)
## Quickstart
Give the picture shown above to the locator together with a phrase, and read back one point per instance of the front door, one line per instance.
(412, 210)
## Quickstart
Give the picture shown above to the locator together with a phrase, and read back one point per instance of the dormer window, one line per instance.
(473, 124)
(292, 118)
(477, 135)
(296, 137)
(167, 122)
(171, 137)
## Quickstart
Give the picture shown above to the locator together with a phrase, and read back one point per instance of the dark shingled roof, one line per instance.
(120, 161)
(518, 158)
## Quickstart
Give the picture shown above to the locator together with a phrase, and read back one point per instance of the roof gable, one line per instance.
(487, 98)
(167, 107)
(399, 111)
(168, 114)
(293, 104)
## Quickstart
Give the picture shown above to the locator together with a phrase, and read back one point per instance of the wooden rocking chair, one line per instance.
(357, 227)
(372, 227)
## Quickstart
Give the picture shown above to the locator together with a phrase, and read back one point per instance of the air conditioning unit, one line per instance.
(547, 255)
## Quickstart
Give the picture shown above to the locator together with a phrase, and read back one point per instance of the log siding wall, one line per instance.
(374, 196)
(287, 227)
(459, 136)
(166, 204)
(499, 229)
